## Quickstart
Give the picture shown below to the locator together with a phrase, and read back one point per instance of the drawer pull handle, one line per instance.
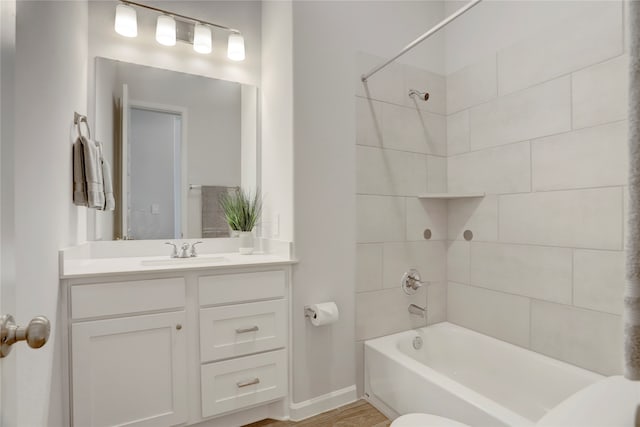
(245, 330)
(248, 383)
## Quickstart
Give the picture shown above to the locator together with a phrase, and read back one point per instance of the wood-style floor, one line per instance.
(357, 414)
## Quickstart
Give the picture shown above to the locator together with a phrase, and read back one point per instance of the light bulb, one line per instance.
(202, 39)
(235, 49)
(166, 30)
(126, 21)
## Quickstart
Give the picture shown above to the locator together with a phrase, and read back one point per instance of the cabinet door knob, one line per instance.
(178, 326)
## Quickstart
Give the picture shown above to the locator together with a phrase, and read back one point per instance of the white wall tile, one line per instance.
(428, 257)
(599, 279)
(592, 157)
(472, 85)
(390, 172)
(499, 315)
(592, 35)
(600, 93)
(409, 129)
(534, 271)
(538, 111)
(480, 215)
(585, 338)
(425, 81)
(436, 174)
(497, 170)
(368, 122)
(388, 84)
(380, 219)
(385, 312)
(436, 302)
(423, 214)
(368, 267)
(458, 133)
(458, 261)
(589, 219)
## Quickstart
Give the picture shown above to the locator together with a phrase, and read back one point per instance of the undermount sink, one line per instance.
(184, 261)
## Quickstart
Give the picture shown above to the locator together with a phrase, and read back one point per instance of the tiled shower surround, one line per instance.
(540, 127)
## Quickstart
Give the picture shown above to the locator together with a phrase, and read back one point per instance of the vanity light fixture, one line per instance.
(126, 21)
(173, 26)
(166, 30)
(201, 39)
(235, 49)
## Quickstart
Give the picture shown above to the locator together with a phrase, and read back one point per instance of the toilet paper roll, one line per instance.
(325, 313)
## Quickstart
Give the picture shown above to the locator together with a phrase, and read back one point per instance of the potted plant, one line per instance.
(242, 210)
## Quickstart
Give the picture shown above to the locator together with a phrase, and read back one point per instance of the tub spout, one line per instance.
(417, 310)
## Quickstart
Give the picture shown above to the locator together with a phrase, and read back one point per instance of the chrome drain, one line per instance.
(417, 343)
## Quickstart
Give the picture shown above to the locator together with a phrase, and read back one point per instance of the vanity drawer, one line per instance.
(118, 298)
(232, 288)
(237, 330)
(238, 383)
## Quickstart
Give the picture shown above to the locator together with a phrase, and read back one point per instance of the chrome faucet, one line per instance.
(184, 250)
(417, 310)
(193, 249)
(174, 252)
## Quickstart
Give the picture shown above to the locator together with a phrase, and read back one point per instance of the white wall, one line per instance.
(326, 39)
(276, 147)
(540, 126)
(8, 372)
(51, 73)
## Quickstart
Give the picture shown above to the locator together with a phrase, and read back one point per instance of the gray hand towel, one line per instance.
(79, 180)
(214, 223)
(109, 200)
(93, 173)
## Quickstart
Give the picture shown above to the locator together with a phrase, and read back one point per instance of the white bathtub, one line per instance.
(466, 376)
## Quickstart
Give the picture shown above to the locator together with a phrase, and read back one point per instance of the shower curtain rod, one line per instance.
(422, 38)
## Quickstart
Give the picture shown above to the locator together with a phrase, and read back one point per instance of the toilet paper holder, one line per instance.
(309, 312)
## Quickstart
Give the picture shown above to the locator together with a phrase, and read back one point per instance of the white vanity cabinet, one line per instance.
(241, 315)
(178, 348)
(128, 352)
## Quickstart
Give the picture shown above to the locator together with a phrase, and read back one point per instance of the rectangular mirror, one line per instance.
(175, 141)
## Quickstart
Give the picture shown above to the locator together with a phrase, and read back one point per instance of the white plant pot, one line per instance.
(246, 242)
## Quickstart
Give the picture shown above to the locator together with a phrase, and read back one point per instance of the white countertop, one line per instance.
(90, 267)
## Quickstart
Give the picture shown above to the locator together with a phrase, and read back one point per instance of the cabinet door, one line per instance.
(130, 371)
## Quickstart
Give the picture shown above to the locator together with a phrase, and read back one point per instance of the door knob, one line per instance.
(36, 334)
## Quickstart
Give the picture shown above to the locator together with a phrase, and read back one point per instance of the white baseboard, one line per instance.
(324, 403)
(381, 406)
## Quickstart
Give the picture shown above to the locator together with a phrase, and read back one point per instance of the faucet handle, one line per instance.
(174, 253)
(411, 281)
(193, 249)
(184, 250)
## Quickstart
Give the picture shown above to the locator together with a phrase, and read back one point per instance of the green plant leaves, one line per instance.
(241, 209)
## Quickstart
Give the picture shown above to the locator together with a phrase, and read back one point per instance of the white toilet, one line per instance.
(425, 420)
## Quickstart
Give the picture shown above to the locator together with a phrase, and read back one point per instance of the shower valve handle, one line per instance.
(411, 282)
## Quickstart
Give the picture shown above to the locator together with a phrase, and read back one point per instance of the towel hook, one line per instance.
(77, 120)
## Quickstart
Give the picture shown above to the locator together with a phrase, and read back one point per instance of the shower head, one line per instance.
(423, 96)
